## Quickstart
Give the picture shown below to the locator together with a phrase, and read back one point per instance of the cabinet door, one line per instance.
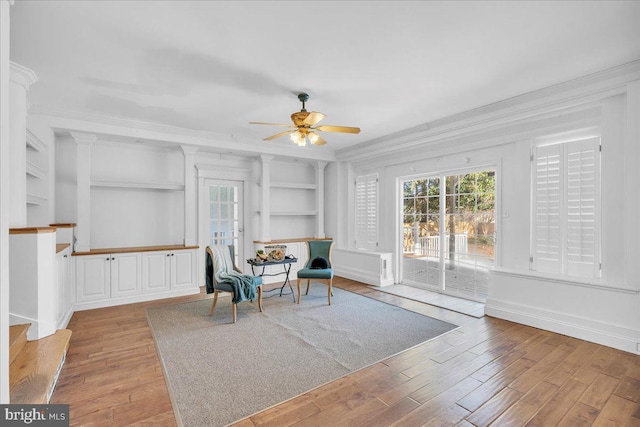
(93, 277)
(183, 269)
(126, 277)
(156, 271)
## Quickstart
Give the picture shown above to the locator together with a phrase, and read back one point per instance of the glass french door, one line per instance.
(225, 223)
(449, 233)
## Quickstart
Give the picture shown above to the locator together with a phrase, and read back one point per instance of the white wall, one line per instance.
(605, 310)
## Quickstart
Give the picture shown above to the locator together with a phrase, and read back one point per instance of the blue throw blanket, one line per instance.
(243, 285)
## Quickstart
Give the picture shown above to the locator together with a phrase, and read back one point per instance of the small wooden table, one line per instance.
(286, 267)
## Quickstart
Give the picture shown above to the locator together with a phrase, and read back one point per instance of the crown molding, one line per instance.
(564, 95)
(69, 121)
(22, 75)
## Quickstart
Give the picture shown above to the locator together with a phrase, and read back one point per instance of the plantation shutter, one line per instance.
(581, 207)
(548, 209)
(366, 212)
(566, 197)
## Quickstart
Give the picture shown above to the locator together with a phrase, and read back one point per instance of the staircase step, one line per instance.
(17, 340)
(33, 375)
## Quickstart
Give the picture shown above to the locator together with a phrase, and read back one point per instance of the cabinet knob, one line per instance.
(168, 254)
(64, 256)
(112, 259)
(172, 254)
(108, 259)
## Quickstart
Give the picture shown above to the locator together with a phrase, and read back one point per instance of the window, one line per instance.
(366, 196)
(566, 201)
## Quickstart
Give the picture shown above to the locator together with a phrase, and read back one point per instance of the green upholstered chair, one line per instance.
(213, 286)
(317, 248)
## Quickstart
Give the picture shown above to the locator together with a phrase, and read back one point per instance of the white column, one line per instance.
(83, 189)
(21, 79)
(320, 165)
(190, 201)
(5, 200)
(265, 199)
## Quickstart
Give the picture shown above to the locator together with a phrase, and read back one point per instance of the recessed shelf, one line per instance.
(35, 170)
(293, 185)
(32, 199)
(34, 143)
(294, 213)
(163, 186)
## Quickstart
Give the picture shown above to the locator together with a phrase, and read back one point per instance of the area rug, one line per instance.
(219, 372)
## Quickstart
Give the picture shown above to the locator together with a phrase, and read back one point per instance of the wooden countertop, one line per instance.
(32, 230)
(61, 247)
(103, 251)
(63, 225)
(300, 239)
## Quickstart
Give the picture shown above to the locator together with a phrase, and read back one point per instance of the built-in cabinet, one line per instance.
(108, 276)
(168, 270)
(112, 278)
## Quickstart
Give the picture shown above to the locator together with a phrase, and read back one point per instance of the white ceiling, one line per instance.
(383, 66)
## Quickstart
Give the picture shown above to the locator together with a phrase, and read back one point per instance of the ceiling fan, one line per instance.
(304, 126)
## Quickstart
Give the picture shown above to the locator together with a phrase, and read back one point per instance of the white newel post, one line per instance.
(319, 166)
(265, 199)
(83, 189)
(21, 79)
(190, 201)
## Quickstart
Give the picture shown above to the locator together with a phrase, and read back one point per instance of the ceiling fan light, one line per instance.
(313, 137)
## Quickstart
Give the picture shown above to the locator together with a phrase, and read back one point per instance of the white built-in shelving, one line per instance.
(35, 170)
(37, 185)
(294, 185)
(161, 186)
(294, 213)
(294, 191)
(35, 200)
(34, 144)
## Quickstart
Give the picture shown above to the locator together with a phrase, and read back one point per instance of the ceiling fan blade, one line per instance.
(320, 141)
(271, 124)
(278, 135)
(344, 129)
(313, 118)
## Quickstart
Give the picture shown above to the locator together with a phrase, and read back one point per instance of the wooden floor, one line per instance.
(488, 372)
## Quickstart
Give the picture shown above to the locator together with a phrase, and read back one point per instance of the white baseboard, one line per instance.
(607, 334)
(64, 320)
(89, 305)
